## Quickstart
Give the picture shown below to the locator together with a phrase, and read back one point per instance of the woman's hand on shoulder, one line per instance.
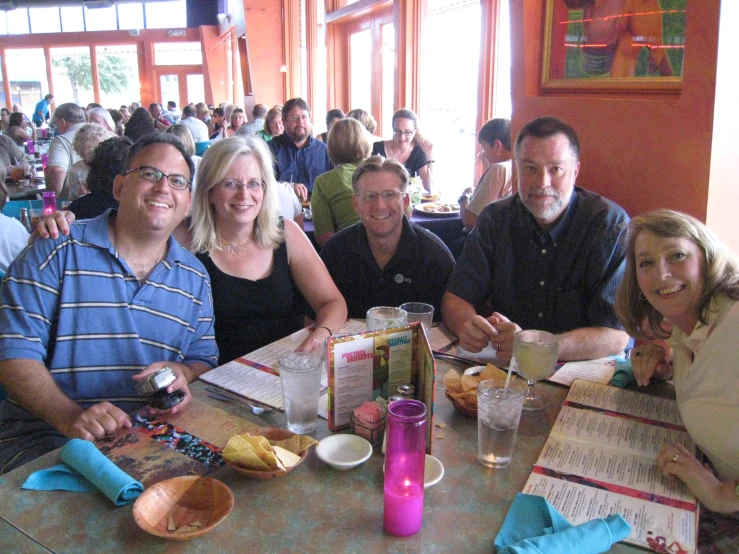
(648, 360)
(52, 225)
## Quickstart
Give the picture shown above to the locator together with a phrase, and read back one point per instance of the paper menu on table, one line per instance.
(631, 403)
(600, 370)
(600, 458)
(653, 524)
(256, 374)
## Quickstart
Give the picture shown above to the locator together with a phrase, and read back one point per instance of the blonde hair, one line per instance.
(365, 118)
(721, 271)
(216, 162)
(185, 136)
(348, 142)
(87, 139)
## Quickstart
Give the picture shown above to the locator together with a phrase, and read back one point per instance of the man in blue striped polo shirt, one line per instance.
(85, 316)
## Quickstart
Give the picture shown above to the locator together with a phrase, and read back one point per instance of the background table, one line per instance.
(314, 508)
(18, 192)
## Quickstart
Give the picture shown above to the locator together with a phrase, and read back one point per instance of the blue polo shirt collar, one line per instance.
(96, 232)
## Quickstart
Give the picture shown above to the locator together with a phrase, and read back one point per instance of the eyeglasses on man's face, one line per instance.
(404, 133)
(252, 186)
(370, 197)
(153, 175)
(295, 118)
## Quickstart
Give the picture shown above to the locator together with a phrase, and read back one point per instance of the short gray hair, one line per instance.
(105, 114)
(69, 112)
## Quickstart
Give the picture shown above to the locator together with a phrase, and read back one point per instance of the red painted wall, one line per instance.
(265, 42)
(215, 57)
(644, 152)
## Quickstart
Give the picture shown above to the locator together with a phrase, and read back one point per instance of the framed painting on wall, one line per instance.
(613, 45)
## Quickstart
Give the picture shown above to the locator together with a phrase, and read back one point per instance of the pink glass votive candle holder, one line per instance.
(405, 460)
(49, 202)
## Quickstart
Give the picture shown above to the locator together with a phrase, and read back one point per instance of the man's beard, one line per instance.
(544, 211)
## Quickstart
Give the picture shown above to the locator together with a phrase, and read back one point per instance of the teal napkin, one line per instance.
(533, 526)
(624, 374)
(86, 469)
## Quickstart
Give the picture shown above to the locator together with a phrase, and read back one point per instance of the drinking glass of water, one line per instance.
(534, 358)
(498, 415)
(300, 377)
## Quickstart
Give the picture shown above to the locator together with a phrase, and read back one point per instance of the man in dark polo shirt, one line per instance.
(549, 257)
(385, 260)
(299, 158)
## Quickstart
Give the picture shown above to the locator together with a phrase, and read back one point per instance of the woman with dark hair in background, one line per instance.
(331, 117)
(19, 130)
(109, 160)
(140, 124)
(408, 147)
(216, 123)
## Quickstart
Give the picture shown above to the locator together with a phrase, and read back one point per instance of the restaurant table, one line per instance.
(18, 192)
(13, 540)
(314, 508)
(448, 227)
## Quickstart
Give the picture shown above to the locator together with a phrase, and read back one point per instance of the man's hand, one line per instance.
(301, 191)
(97, 421)
(506, 331)
(184, 375)
(649, 360)
(476, 333)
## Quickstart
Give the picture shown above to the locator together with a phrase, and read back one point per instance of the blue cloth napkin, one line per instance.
(624, 374)
(86, 469)
(533, 526)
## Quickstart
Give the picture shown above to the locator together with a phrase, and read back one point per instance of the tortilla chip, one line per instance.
(288, 459)
(470, 382)
(452, 381)
(292, 444)
(305, 443)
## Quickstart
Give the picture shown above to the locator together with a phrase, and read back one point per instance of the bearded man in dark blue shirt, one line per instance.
(549, 257)
(299, 158)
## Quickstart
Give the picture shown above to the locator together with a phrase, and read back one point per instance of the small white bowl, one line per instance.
(474, 370)
(344, 451)
(432, 473)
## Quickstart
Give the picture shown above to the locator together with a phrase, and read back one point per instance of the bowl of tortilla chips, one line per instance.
(461, 390)
(267, 452)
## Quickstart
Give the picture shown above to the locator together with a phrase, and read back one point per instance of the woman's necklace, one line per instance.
(234, 249)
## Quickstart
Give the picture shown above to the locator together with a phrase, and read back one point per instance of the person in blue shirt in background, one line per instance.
(41, 111)
(299, 158)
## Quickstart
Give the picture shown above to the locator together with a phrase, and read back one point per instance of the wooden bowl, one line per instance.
(270, 433)
(187, 499)
(461, 408)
